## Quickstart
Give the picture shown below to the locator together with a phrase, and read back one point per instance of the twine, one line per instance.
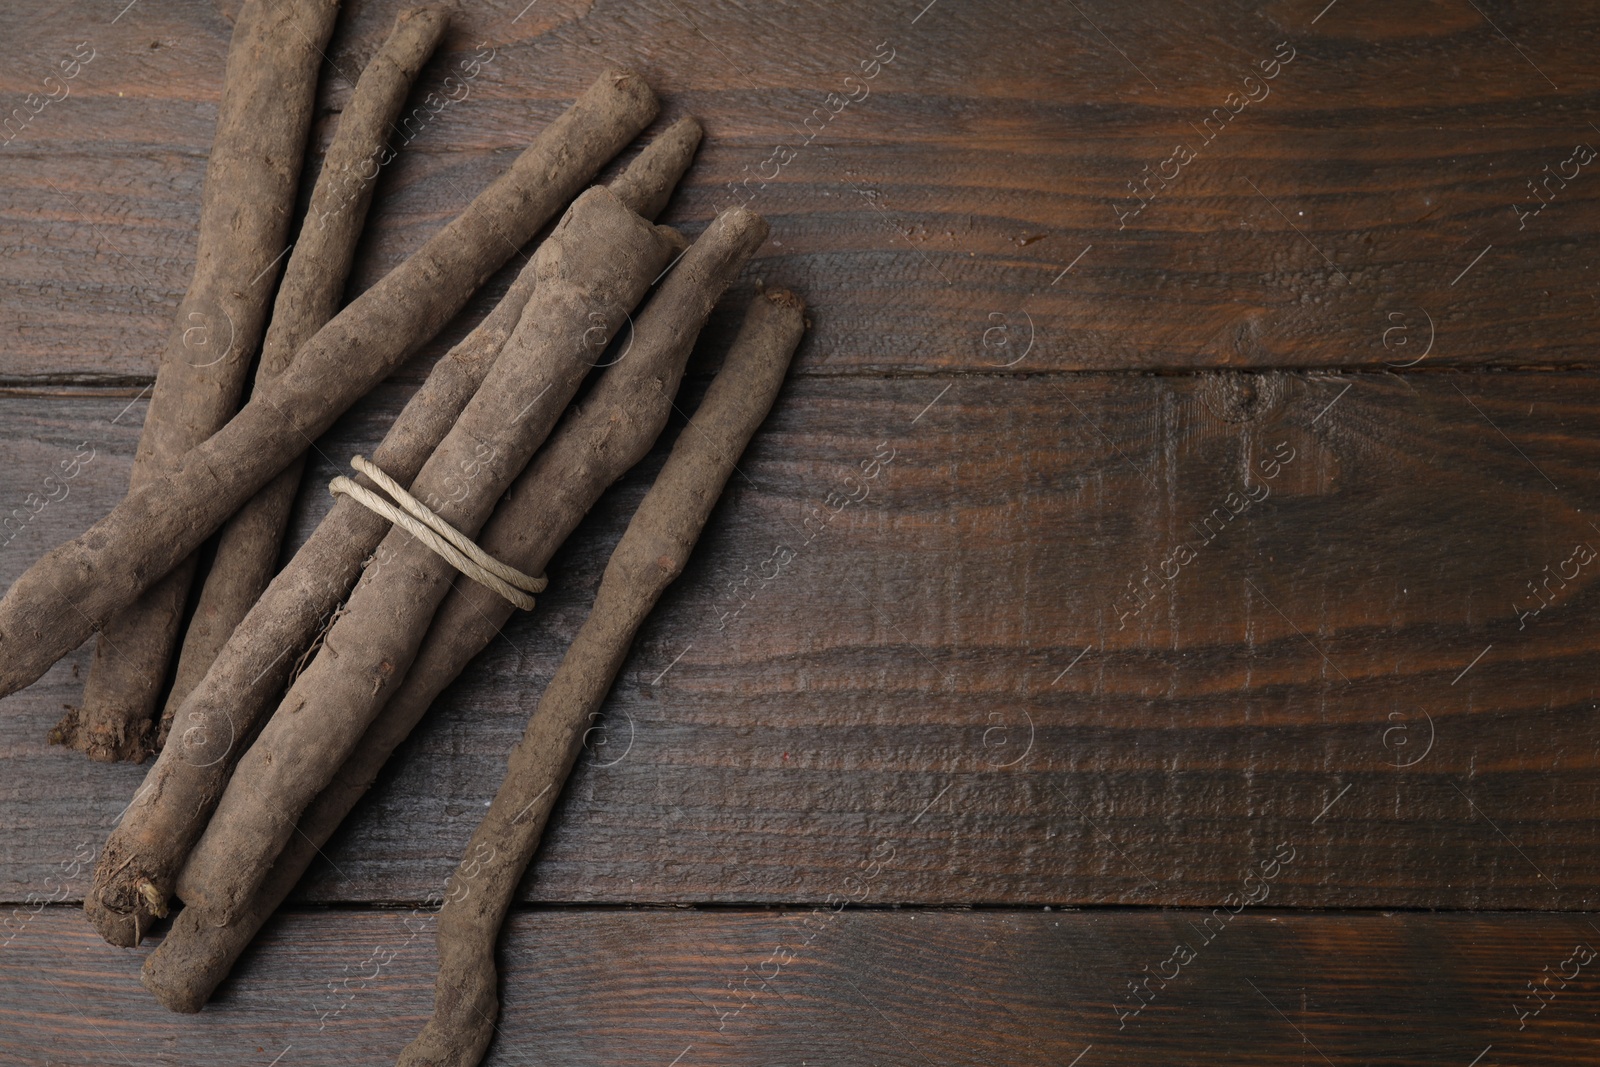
(455, 547)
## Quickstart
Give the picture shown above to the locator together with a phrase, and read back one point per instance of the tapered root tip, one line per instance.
(787, 298)
(742, 218)
(687, 128)
(632, 83)
(648, 182)
(122, 903)
(622, 96)
(188, 964)
(180, 998)
(466, 1004)
(122, 929)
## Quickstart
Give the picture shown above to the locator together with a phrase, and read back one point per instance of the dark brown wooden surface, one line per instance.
(953, 670)
(652, 987)
(954, 663)
(994, 149)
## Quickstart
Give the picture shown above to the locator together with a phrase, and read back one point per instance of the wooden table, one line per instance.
(1230, 587)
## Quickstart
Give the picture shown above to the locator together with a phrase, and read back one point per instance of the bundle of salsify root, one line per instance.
(292, 689)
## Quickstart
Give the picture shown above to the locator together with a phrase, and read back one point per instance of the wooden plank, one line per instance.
(965, 211)
(884, 987)
(982, 664)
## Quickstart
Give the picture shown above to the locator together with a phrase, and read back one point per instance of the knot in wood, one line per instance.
(1239, 397)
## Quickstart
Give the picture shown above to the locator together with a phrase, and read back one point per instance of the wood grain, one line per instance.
(955, 665)
(914, 987)
(950, 695)
(930, 220)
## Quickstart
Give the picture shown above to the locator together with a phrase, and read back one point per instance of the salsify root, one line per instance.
(75, 587)
(139, 864)
(594, 445)
(592, 270)
(268, 93)
(618, 422)
(652, 552)
(313, 282)
(648, 181)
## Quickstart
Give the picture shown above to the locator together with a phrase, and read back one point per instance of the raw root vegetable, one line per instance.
(74, 588)
(594, 268)
(593, 446)
(134, 876)
(647, 182)
(615, 427)
(652, 552)
(139, 864)
(565, 479)
(313, 283)
(268, 93)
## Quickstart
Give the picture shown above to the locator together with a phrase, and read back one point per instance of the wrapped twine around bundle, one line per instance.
(455, 547)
